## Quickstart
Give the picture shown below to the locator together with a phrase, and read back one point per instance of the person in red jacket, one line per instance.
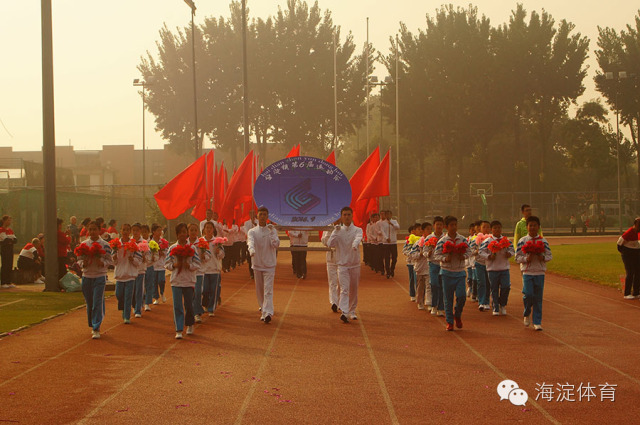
(63, 247)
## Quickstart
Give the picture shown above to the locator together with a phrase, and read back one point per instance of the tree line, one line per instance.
(477, 102)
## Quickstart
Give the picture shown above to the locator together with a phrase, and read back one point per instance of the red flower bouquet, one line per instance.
(498, 245)
(183, 251)
(432, 242)
(131, 246)
(453, 248)
(164, 244)
(203, 244)
(96, 250)
(533, 247)
(82, 250)
(115, 244)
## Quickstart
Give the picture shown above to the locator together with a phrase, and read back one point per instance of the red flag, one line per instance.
(218, 195)
(379, 183)
(331, 159)
(206, 191)
(181, 193)
(240, 189)
(358, 182)
(295, 151)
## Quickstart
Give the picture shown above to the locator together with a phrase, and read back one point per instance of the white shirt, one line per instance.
(389, 229)
(299, 237)
(263, 242)
(346, 239)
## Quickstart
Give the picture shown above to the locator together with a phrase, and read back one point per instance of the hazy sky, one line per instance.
(98, 44)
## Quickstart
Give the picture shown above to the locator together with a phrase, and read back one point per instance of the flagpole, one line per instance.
(367, 79)
(335, 91)
(397, 131)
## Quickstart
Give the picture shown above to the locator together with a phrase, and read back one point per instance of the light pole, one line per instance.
(144, 84)
(367, 88)
(196, 139)
(621, 76)
(245, 81)
(49, 148)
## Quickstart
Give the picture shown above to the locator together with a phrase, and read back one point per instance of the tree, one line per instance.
(620, 52)
(290, 70)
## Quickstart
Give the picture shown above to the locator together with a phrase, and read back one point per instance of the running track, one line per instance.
(394, 365)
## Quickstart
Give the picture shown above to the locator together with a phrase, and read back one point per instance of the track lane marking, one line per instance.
(497, 371)
(265, 360)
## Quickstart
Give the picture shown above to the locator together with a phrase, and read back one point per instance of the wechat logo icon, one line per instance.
(509, 390)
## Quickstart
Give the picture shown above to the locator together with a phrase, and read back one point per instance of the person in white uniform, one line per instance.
(332, 274)
(263, 242)
(346, 239)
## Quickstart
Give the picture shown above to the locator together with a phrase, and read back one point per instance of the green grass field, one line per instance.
(597, 262)
(25, 308)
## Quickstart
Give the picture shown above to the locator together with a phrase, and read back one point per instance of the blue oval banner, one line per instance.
(302, 191)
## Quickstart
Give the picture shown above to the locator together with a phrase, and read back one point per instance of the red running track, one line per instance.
(394, 365)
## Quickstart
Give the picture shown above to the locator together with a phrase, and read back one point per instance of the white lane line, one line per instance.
(142, 372)
(497, 371)
(376, 368)
(12, 302)
(265, 360)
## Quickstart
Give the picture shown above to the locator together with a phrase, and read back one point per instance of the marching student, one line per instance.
(483, 285)
(263, 242)
(183, 262)
(332, 272)
(248, 225)
(126, 261)
(452, 251)
(158, 257)
(496, 251)
(299, 238)
(94, 256)
(421, 268)
(346, 240)
(138, 289)
(149, 275)
(112, 230)
(211, 266)
(193, 240)
(533, 254)
(375, 237)
(236, 236)
(229, 232)
(389, 229)
(470, 265)
(435, 278)
(406, 251)
(209, 217)
(7, 240)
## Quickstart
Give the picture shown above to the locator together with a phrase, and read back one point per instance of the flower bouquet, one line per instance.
(533, 247)
(498, 245)
(182, 253)
(115, 244)
(454, 248)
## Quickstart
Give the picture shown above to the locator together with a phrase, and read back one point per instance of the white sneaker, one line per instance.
(197, 318)
(487, 307)
(537, 327)
(353, 317)
(39, 281)
(147, 308)
(178, 335)
(190, 330)
(420, 306)
(127, 321)
(527, 321)
(434, 311)
(503, 310)
(95, 334)
(413, 299)
(211, 314)
(164, 299)
(496, 313)
(626, 297)
(440, 313)
(156, 302)
(138, 315)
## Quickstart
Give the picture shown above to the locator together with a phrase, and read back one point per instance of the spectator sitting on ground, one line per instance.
(29, 260)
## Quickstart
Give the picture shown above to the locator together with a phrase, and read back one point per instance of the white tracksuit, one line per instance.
(262, 242)
(346, 240)
(332, 272)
